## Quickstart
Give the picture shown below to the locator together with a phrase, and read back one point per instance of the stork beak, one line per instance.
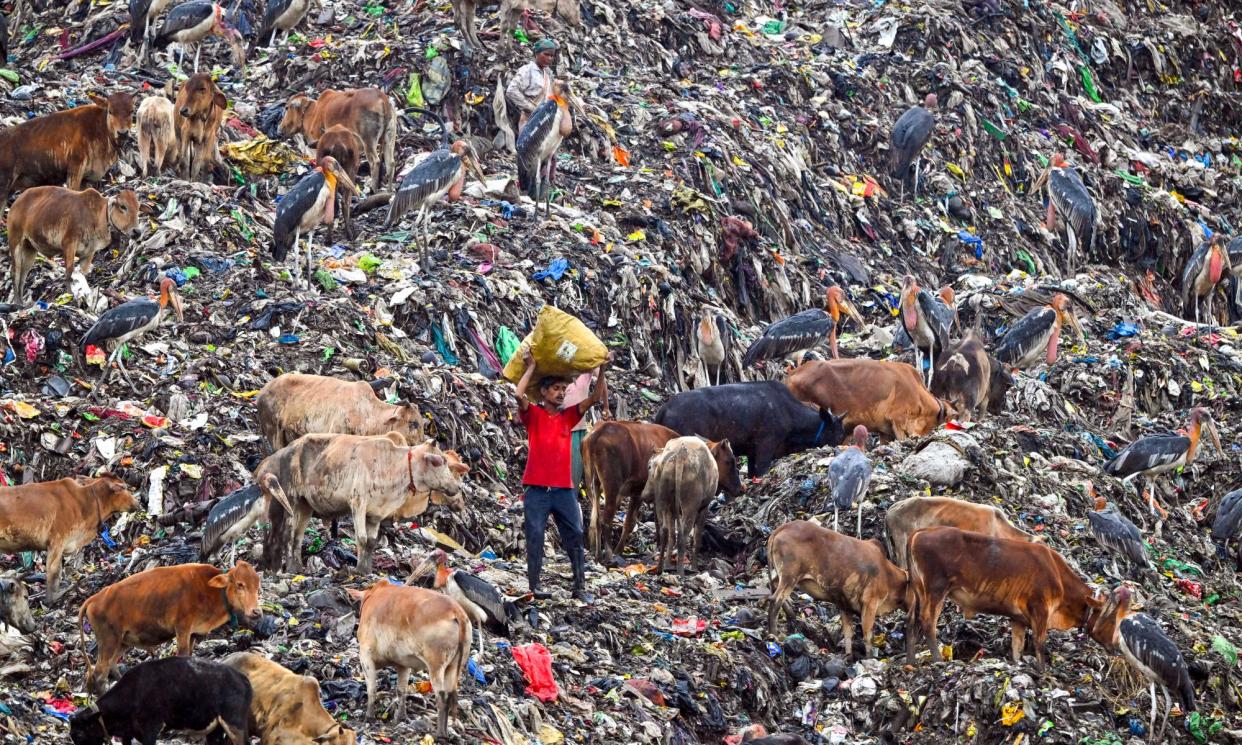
(1043, 178)
(1212, 433)
(343, 178)
(175, 299)
(1072, 318)
(425, 567)
(852, 312)
(472, 162)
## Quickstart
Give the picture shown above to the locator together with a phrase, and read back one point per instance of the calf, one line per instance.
(343, 144)
(761, 419)
(911, 515)
(157, 132)
(366, 111)
(59, 517)
(295, 404)
(1028, 583)
(55, 221)
(65, 147)
(964, 378)
(682, 479)
(15, 605)
(411, 628)
(852, 574)
(158, 696)
(200, 109)
(286, 708)
(369, 478)
(885, 397)
(160, 604)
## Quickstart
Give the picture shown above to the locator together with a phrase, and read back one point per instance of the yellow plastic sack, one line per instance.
(561, 345)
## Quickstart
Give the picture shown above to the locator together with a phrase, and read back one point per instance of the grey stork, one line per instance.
(1206, 267)
(911, 133)
(309, 204)
(1153, 654)
(1153, 455)
(927, 322)
(440, 175)
(849, 475)
(132, 319)
(1234, 250)
(190, 23)
(481, 600)
(280, 15)
(229, 520)
(1034, 337)
(1228, 523)
(142, 13)
(538, 142)
(802, 331)
(709, 340)
(1068, 195)
(1116, 533)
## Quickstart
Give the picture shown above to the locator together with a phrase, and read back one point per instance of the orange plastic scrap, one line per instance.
(1147, 288)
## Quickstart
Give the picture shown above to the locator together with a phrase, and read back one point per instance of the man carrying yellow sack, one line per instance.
(549, 472)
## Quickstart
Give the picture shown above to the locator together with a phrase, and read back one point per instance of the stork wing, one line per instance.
(901, 337)
(849, 475)
(1028, 331)
(138, 19)
(1193, 266)
(1114, 531)
(1228, 520)
(121, 320)
(1147, 453)
(539, 127)
(1072, 199)
(799, 331)
(939, 315)
(1146, 641)
(232, 515)
(290, 209)
(1234, 249)
(433, 174)
(482, 593)
(911, 132)
(185, 15)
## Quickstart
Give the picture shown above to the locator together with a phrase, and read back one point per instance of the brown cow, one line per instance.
(909, 516)
(64, 147)
(1028, 583)
(366, 111)
(200, 110)
(286, 708)
(157, 132)
(294, 404)
(59, 517)
(851, 574)
(55, 221)
(368, 478)
(411, 628)
(343, 144)
(682, 479)
(417, 502)
(886, 397)
(164, 603)
(964, 378)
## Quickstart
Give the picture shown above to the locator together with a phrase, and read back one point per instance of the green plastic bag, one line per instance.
(414, 94)
(507, 344)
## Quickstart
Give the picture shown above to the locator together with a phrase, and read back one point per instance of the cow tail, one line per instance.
(590, 482)
(86, 658)
(388, 170)
(280, 514)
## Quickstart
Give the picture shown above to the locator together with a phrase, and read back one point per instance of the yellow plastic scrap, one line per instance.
(637, 235)
(260, 156)
(956, 170)
(22, 409)
(1012, 713)
(549, 735)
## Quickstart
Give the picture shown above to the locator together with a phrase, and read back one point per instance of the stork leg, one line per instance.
(198, 49)
(480, 628)
(858, 530)
(1168, 709)
(1071, 253)
(835, 511)
(310, 257)
(1151, 725)
(931, 364)
(916, 178)
(272, 41)
(180, 55)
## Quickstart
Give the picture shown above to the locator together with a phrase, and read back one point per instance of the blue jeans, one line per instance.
(562, 504)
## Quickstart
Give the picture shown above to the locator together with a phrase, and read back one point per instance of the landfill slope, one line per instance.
(688, 118)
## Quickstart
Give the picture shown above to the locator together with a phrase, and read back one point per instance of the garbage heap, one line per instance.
(730, 156)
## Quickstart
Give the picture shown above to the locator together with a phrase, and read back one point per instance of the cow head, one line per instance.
(1104, 616)
(200, 98)
(86, 727)
(999, 385)
(337, 734)
(294, 120)
(240, 586)
(832, 428)
(430, 471)
(120, 111)
(726, 466)
(407, 420)
(123, 213)
(455, 502)
(116, 496)
(14, 609)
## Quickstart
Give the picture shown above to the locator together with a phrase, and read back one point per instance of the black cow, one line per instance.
(762, 420)
(174, 693)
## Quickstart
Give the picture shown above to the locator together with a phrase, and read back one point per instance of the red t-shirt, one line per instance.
(548, 436)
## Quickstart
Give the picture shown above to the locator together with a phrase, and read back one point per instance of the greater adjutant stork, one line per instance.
(1153, 455)
(229, 520)
(1207, 266)
(132, 319)
(1153, 654)
(280, 15)
(926, 321)
(910, 135)
(481, 600)
(849, 476)
(1068, 195)
(802, 331)
(190, 23)
(1034, 337)
(1228, 523)
(309, 204)
(538, 142)
(709, 338)
(1115, 532)
(142, 13)
(440, 175)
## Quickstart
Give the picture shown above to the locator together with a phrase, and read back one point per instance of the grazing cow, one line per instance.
(157, 132)
(160, 604)
(15, 605)
(416, 503)
(200, 110)
(1002, 381)
(909, 516)
(64, 147)
(852, 574)
(1028, 583)
(59, 517)
(368, 478)
(286, 708)
(173, 694)
(760, 419)
(682, 479)
(411, 628)
(366, 111)
(886, 397)
(343, 144)
(55, 221)
(964, 378)
(295, 404)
